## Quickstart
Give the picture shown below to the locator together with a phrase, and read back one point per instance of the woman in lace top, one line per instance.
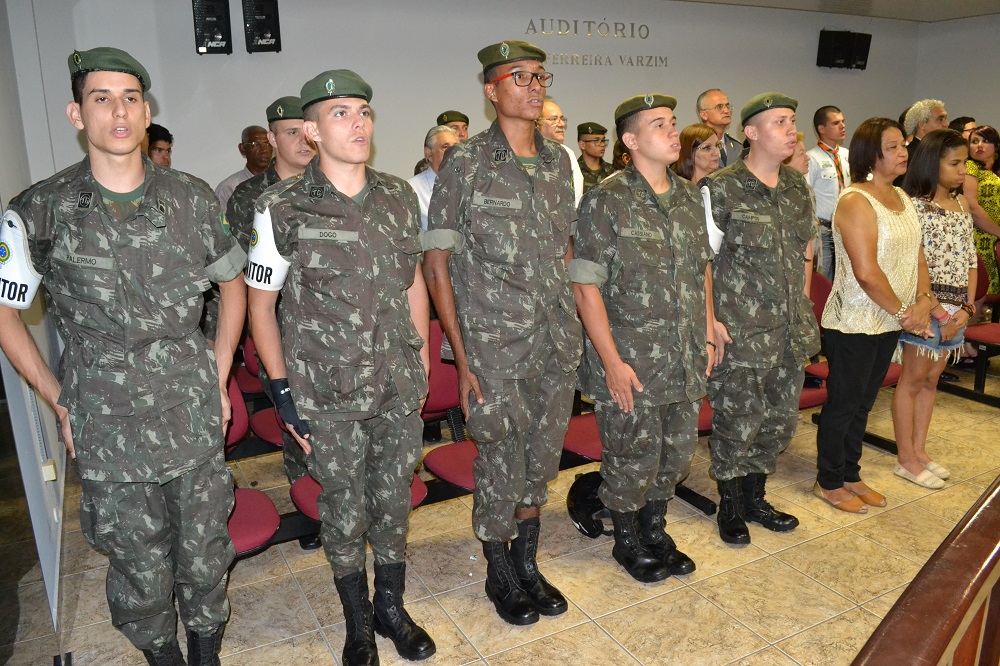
(880, 284)
(934, 179)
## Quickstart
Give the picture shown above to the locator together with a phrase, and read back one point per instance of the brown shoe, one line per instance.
(853, 505)
(867, 495)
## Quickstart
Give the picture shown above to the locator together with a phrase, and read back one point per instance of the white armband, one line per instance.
(266, 268)
(715, 234)
(18, 279)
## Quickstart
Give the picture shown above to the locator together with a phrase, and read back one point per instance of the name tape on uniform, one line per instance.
(339, 235)
(642, 234)
(495, 202)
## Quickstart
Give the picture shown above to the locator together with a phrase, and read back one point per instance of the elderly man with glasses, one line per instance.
(552, 125)
(593, 142)
(715, 111)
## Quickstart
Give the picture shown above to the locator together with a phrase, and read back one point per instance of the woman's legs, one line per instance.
(913, 405)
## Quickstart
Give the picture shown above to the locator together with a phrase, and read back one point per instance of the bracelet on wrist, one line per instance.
(969, 308)
(927, 294)
(899, 315)
(943, 318)
(711, 344)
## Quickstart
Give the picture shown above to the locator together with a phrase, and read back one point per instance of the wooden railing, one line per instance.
(950, 613)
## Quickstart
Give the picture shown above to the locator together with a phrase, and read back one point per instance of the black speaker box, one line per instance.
(212, 30)
(260, 22)
(841, 49)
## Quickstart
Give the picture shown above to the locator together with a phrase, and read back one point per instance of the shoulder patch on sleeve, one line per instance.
(18, 279)
(266, 268)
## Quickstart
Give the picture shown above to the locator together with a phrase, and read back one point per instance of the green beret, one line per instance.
(333, 84)
(643, 102)
(107, 59)
(590, 128)
(509, 51)
(452, 117)
(765, 101)
(285, 108)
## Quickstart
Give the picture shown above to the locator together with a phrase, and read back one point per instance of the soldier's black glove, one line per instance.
(281, 395)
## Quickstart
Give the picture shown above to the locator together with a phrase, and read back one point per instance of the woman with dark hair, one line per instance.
(934, 181)
(699, 153)
(982, 187)
(620, 156)
(880, 285)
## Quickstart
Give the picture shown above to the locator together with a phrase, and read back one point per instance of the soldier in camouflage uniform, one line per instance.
(292, 153)
(342, 246)
(126, 249)
(640, 264)
(497, 246)
(765, 328)
(593, 142)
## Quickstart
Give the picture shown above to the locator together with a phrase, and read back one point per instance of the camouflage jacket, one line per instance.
(593, 178)
(350, 346)
(759, 275)
(240, 209)
(649, 263)
(508, 233)
(137, 377)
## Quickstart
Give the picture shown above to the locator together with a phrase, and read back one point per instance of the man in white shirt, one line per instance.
(829, 173)
(439, 139)
(552, 125)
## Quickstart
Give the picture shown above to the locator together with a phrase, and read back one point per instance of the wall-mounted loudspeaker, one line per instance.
(843, 50)
(260, 22)
(212, 30)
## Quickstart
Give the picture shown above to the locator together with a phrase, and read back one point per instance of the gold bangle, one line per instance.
(927, 294)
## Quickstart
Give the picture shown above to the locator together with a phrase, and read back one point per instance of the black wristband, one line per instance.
(281, 396)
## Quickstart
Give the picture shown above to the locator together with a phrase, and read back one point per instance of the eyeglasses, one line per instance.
(708, 147)
(596, 142)
(720, 107)
(555, 119)
(522, 79)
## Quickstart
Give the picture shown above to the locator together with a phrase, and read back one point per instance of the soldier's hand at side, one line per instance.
(227, 409)
(281, 396)
(721, 340)
(621, 379)
(67, 433)
(468, 382)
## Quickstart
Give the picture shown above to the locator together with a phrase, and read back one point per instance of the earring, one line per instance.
(870, 177)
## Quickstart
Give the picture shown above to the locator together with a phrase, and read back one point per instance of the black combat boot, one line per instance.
(168, 655)
(629, 552)
(359, 648)
(543, 594)
(502, 587)
(652, 531)
(759, 510)
(204, 650)
(392, 620)
(732, 526)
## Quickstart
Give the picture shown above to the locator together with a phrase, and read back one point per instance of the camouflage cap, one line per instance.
(590, 128)
(510, 51)
(765, 101)
(285, 108)
(452, 117)
(107, 59)
(332, 84)
(643, 102)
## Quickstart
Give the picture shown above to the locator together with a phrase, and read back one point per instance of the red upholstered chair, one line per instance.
(452, 463)
(705, 417)
(253, 522)
(442, 394)
(246, 374)
(239, 424)
(267, 425)
(820, 289)
(582, 436)
(305, 493)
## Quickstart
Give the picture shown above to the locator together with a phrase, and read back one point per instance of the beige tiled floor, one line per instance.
(811, 596)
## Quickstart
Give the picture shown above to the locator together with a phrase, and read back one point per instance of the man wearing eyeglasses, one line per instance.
(496, 251)
(256, 149)
(552, 125)
(715, 111)
(593, 142)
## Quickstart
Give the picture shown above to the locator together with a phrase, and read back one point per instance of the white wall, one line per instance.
(958, 65)
(14, 175)
(420, 58)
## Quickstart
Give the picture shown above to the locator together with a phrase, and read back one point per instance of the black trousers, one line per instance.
(858, 364)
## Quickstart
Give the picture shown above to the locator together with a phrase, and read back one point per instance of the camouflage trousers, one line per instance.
(519, 432)
(365, 469)
(164, 540)
(756, 411)
(646, 451)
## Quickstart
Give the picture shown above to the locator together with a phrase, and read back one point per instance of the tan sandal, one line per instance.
(852, 505)
(869, 497)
